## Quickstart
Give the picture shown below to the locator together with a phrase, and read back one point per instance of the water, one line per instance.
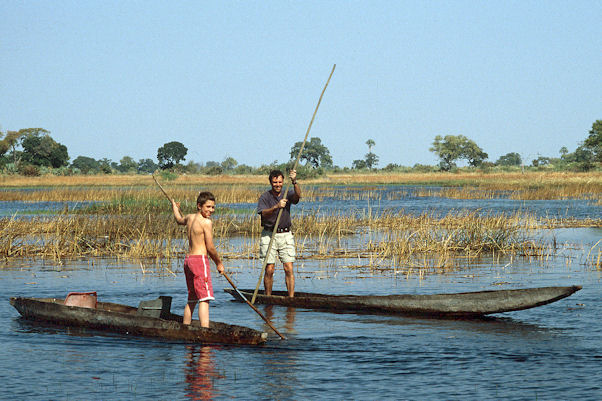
(551, 352)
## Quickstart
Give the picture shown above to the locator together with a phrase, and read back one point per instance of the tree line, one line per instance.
(32, 151)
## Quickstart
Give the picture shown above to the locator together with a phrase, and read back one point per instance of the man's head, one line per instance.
(276, 180)
(205, 202)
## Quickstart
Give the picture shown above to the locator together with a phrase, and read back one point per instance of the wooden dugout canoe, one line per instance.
(125, 319)
(466, 304)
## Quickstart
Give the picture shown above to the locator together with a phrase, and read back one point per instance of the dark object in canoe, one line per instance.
(466, 304)
(125, 319)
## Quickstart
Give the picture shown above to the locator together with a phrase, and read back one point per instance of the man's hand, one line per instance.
(293, 175)
(220, 268)
(282, 203)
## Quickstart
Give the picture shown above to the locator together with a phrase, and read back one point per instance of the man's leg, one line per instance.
(268, 278)
(289, 277)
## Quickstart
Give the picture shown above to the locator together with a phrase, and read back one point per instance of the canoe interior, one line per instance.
(125, 319)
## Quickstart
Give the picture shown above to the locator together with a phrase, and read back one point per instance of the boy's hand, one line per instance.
(220, 268)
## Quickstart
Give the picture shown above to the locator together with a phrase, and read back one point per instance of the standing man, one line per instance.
(269, 205)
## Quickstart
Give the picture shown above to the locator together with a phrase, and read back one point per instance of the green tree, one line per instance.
(229, 163)
(593, 142)
(580, 160)
(473, 153)
(12, 141)
(85, 164)
(3, 144)
(509, 159)
(147, 166)
(104, 165)
(370, 158)
(314, 153)
(127, 164)
(40, 149)
(456, 147)
(171, 154)
(358, 164)
(540, 161)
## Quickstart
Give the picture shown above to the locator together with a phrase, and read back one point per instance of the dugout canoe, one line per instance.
(127, 320)
(456, 305)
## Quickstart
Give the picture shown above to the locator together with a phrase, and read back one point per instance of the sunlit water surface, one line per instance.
(547, 353)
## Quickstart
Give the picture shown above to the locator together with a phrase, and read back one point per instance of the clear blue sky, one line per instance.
(242, 78)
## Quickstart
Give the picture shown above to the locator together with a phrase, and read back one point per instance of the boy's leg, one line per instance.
(204, 313)
(289, 278)
(268, 278)
(188, 309)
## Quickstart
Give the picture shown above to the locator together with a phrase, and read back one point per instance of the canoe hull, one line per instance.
(124, 319)
(467, 304)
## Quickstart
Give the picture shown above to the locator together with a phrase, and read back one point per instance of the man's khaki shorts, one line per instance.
(283, 246)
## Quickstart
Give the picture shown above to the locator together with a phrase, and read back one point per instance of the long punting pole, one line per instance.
(228, 278)
(252, 306)
(265, 260)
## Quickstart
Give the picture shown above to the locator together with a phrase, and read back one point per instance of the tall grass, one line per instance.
(143, 236)
(237, 189)
(130, 218)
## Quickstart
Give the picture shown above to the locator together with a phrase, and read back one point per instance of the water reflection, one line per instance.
(201, 372)
(489, 325)
(281, 365)
(289, 318)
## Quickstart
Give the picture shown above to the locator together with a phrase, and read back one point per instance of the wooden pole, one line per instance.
(253, 306)
(265, 260)
(230, 281)
(162, 190)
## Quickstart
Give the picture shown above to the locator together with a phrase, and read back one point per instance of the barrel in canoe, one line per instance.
(466, 304)
(128, 320)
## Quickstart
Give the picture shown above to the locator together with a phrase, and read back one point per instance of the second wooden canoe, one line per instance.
(464, 304)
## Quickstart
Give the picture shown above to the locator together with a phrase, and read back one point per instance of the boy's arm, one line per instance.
(181, 220)
(211, 251)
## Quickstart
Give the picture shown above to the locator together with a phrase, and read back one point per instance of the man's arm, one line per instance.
(269, 211)
(266, 211)
(211, 251)
(295, 198)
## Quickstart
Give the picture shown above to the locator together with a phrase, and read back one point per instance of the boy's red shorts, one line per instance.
(198, 278)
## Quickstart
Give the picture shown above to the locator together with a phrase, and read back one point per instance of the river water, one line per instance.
(553, 352)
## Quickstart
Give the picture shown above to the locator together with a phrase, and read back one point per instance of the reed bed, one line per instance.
(245, 189)
(128, 217)
(397, 236)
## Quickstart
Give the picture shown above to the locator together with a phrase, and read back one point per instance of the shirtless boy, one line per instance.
(199, 228)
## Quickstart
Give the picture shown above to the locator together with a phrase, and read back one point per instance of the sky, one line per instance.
(241, 79)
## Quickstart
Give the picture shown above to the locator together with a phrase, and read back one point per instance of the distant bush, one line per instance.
(168, 175)
(29, 170)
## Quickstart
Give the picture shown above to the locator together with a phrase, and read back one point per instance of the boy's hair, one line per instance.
(204, 197)
(274, 174)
